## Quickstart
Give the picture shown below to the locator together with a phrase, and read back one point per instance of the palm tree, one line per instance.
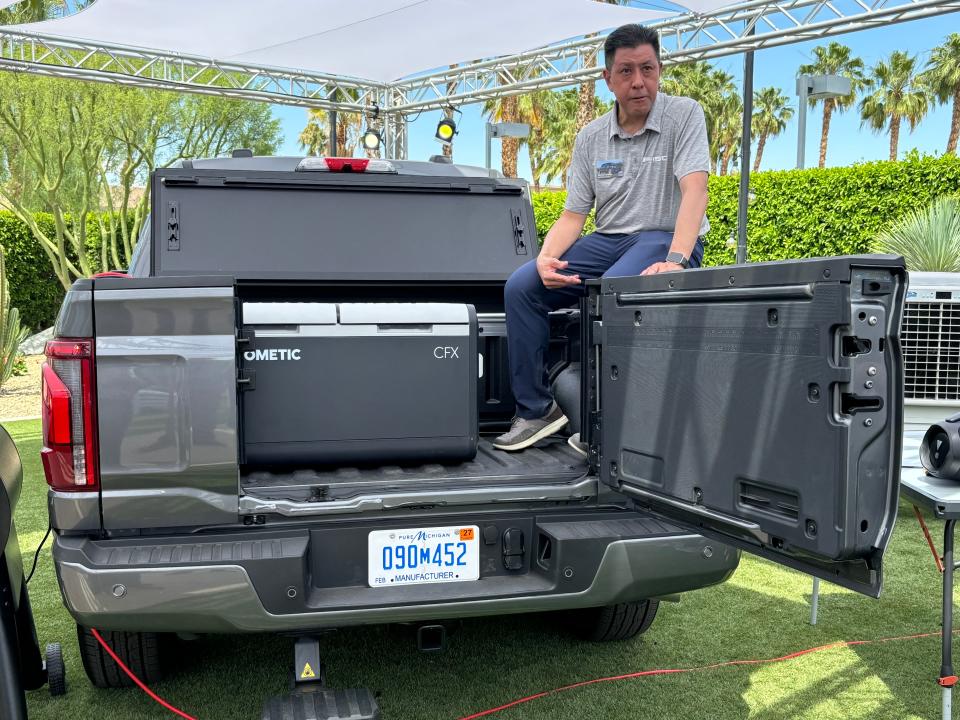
(896, 95)
(586, 109)
(700, 81)
(834, 59)
(313, 138)
(943, 78)
(349, 129)
(505, 109)
(717, 94)
(771, 113)
(728, 131)
(560, 133)
(533, 109)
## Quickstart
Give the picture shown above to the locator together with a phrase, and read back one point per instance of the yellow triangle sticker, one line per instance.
(307, 672)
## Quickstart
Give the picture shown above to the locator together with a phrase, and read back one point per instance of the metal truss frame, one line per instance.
(57, 57)
(750, 25)
(747, 26)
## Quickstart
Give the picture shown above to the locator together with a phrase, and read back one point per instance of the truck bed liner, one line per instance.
(551, 461)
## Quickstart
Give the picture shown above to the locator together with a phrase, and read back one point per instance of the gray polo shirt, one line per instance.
(635, 179)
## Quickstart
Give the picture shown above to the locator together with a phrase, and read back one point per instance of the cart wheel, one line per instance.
(56, 672)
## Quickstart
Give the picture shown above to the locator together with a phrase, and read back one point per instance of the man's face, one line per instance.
(634, 78)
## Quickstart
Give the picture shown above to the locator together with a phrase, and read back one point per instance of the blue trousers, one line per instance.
(527, 302)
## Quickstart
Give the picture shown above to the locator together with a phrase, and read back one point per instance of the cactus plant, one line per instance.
(11, 333)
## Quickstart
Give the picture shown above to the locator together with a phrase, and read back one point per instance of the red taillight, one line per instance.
(70, 446)
(347, 164)
(56, 408)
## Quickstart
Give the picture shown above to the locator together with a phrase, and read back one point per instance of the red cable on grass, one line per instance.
(138, 681)
(675, 671)
(584, 683)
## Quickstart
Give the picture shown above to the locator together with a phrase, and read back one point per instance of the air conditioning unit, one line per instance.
(930, 335)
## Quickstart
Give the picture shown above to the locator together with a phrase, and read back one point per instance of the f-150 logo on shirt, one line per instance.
(609, 168)
(443, 352)
(273, 354)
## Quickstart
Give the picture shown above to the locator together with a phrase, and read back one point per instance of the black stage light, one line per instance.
(446, 129)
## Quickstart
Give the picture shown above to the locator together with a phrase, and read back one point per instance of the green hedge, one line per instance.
(809, 213)
(34, 288)
(797, 213)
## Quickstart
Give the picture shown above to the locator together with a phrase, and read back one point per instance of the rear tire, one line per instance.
(56, 671)
(141, 652)
(614, 622)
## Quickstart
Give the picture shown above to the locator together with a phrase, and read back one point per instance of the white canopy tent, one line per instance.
(353, 56)
(376, 41)
(405, 56)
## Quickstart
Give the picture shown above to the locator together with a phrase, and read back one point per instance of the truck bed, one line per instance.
(552, 461)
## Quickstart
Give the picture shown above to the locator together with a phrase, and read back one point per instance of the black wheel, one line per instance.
(141, 652)
(614, 622)
(56, 672)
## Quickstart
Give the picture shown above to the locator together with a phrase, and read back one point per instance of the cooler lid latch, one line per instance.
(247, 379)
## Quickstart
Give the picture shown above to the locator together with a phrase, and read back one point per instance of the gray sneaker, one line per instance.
(524, 433)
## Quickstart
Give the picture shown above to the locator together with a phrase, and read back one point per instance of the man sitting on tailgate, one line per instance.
(644, 166)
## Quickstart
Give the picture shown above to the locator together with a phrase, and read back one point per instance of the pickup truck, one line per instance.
(202, 416)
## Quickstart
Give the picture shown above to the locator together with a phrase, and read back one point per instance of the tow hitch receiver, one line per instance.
(311, 700)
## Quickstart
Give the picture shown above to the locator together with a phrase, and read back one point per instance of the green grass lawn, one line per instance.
(762, 612)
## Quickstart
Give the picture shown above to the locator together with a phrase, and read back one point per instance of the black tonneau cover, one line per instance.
(256, 224)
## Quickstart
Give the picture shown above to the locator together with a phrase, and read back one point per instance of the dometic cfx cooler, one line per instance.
(329, 383)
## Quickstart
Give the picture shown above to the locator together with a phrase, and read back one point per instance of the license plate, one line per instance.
(418, 556)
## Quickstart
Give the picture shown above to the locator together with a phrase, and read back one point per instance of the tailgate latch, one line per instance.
(519, 243)
(173, 226)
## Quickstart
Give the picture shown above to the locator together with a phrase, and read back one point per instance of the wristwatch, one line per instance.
(678, 259)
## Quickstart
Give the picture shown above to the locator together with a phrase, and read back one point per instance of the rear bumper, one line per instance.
(267, 586)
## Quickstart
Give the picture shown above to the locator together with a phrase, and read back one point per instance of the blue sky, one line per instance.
(848, 144)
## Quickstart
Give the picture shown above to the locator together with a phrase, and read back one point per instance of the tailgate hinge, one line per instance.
(593, 440)
(596, 332)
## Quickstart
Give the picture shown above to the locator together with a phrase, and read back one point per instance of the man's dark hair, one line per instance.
(629, 36)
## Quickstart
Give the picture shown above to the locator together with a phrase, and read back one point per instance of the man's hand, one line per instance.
(661, 267)
(549, 269)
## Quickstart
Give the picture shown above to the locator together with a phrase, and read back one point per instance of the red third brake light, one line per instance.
(347, 164)
(70, 446)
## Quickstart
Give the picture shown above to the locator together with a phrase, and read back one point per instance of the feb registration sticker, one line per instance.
(418, 556)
